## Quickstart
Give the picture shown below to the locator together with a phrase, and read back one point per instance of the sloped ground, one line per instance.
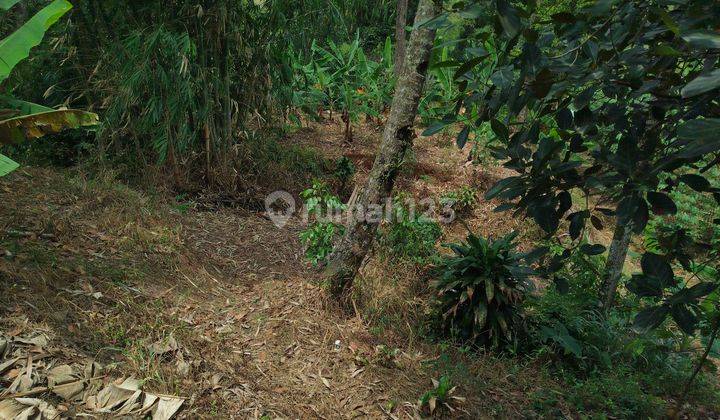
(219, 309)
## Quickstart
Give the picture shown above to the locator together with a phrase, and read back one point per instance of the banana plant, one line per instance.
(20, 120)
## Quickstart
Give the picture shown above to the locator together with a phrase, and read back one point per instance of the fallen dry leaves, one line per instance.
(36, 384)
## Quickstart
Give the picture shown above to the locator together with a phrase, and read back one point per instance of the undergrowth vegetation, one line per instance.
(480, 289)
(409, 234)
(603, 114)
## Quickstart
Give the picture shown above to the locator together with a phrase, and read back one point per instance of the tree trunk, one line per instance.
(397, 138)
(615, 262)
(400, 24)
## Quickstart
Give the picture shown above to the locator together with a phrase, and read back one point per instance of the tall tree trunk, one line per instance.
(615, 262)
(400, 24)
(397, 138)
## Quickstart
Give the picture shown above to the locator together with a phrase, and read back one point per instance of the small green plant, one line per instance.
(409, 236)
(318, 239)
(344, 171)
(480, 289)
(440, 395)
(385, 356)
(183, 203)
(461, 200)
(319, 236)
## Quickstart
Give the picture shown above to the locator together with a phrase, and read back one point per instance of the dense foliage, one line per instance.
(480, 289)
(617, 102)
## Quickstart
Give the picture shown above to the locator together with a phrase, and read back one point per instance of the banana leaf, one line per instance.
(7, 4)
(28, 127)
(7, 165)
(10, 105)
(16, 47)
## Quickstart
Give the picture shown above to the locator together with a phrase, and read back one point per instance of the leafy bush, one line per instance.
(616, 394)
(480, 289)
(409, 236)
(696, 222)
(318, 240)
(568, 324)
(461, 200)
(341, 78)
(344, 171)
(440, 395)
(611, 369)
(319, 236)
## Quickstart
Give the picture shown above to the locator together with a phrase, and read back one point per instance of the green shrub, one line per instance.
(568, 324)
(480, 289)
(318, 239)
(409, 236)
(611, 369)
(319, 236)
(344, 171)
(64, 149)
(438, 396)
(695, 223)
(617, 394)
(461, 200)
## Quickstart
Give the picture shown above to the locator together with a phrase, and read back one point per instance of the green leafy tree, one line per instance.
(616, 104)
(616, 101)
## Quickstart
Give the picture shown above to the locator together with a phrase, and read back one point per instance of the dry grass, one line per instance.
(109, 270)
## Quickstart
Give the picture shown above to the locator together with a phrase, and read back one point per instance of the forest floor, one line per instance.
(219, 307)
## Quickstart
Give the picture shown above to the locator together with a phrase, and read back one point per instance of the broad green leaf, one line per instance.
(7, 4)
(645, 286)
(500, 186)
(33, 126)
(463, 137)
(481, 312)
(17, 46)
(666, 50)
(437, 127)
(668, 21)
(696, 182)
(489, 289)
(508, 18)
(594, 249)
(661, 203)
(467, 66)
(701, 136)
(685, 319)
(703, 39)
(388, 52)
(500, 130)
(7, 165)
(692, 294)
(23, 107)
(656, 266)
(650, 318)
(702, 84)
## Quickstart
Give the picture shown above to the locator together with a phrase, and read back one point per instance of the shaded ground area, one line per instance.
(107, 272)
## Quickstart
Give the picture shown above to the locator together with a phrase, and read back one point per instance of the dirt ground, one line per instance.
(107, 273)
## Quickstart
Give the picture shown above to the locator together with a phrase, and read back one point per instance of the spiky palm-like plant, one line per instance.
(479, 289)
